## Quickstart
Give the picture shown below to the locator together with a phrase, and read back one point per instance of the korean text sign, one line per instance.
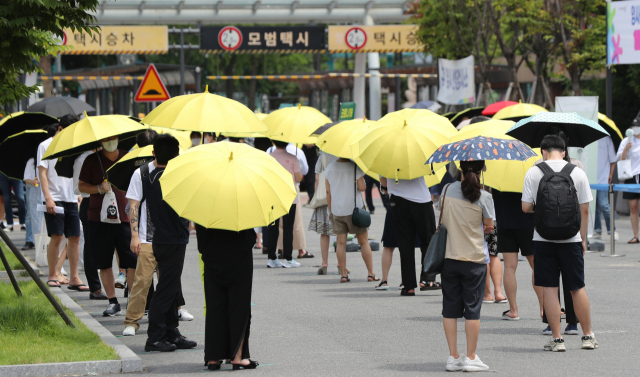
(380, 38)
(623, 32)
(261, 39)
(119, 40)
(456, 80)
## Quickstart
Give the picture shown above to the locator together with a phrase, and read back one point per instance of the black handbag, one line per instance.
(360, 217)
(434, 258)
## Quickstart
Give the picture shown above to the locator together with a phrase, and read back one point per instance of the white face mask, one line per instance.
(195, 141)
(206, 140)
(110, 145)
(636, 130)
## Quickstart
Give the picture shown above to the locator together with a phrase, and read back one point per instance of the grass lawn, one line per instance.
(14, 263)
(31, 332)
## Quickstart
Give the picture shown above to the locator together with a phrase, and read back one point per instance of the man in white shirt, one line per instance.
(33, 221)
(58, 192)
(566, 256)
(412, 212)
(629, 149)
(606, 165)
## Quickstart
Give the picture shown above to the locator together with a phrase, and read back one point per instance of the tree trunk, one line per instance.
(575, 85)
(228, 71)
(47, 85)
(251, 101)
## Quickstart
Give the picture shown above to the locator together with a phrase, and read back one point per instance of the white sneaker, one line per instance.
(475, 365)
(184, 315)
(129, 331)
(290, 264)
(274, 264)
(615, 236)
(120, 280)
(62, 271)
(589, 342)
(596, 236)
(555, 345)
(454, 365)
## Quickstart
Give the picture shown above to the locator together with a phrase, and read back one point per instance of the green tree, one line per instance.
(29, 30)
(578, 28)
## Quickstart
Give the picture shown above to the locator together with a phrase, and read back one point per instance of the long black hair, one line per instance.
(471, 183)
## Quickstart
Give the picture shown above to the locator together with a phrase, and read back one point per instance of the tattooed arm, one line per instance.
(134, 221)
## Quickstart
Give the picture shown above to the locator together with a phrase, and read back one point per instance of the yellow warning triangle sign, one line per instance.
(152, 89)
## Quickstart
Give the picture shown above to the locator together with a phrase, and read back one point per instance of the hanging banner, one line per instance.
(262, 39)
(376, 38)
(623, 32)
(456, 80)
(118, 40)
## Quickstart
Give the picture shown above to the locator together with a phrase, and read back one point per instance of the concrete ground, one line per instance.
(305, 324)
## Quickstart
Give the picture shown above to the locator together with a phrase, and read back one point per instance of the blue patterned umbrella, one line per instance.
(482, 148)
(580, 131)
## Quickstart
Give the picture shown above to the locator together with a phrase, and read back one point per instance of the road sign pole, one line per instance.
(612, 225)
(181, 61)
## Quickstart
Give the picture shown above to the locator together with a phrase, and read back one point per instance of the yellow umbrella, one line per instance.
(204, 112)
(519, 111)
(295, 124)
(501, 174)
(611, 128)
(401, 144)
(85, 134)
(261, 115)
(434, 179)
(337, 140)
(184, 137)
(228, 186)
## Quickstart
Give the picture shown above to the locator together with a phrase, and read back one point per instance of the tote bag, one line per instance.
(434, 258)
(109, 212)
(320, 197)
(624, 170)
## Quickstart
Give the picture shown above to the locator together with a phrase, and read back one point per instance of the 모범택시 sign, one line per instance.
(376, 38)
(118, 40)
(262, 39)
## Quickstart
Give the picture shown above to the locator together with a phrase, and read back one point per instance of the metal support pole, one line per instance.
(182, 62)
(611, 226)
(398, 93)
(609, 93)
(10, 273)
(36, 278)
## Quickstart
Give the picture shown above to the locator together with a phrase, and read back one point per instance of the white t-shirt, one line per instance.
(606, 157)
(414, 190)
(532, 181)
(77, 167)
(633, 154)
(135, 192)
(340, 176)
(60, 188)
(29, 170)
(302, 159)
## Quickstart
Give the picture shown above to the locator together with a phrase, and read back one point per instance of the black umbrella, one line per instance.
(322, 129)
(466, 113)
(580, 131)
(17, 149)
(119, 175)
(61, 106)
(22, 121)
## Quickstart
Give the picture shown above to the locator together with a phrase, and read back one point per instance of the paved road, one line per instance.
(305, 324)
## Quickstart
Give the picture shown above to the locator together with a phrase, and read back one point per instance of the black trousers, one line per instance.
(410, 218)
(163, 312)
(310, 181)
(570, 314)
(369, 195)
(93, 279)
(273, 231)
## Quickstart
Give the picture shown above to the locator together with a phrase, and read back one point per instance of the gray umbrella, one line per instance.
(61, 106)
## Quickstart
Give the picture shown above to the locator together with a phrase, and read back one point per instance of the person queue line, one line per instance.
(160, 245)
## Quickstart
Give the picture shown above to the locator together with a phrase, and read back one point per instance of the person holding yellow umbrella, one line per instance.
(227, 189)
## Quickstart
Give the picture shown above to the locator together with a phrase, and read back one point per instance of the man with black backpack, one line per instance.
(559, 195)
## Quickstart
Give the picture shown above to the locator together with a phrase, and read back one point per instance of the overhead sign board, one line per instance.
(118, 40)
(262, 39)
(623, 32)
(376, 38)
(456, 79)
(152, 88)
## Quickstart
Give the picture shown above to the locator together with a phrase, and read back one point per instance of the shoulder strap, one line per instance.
(144, 174)
(566, 171)
(546, 169)
(442, 206)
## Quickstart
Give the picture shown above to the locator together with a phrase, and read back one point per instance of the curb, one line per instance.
(129, 362)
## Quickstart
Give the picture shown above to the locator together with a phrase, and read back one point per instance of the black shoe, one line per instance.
(182, 343)
(372, 212)
(159, 346)
(2, 225)
(97, 296)
(28, 246)
(112, 310)
(404, 292)
(252, 365)
(280, 254)
(213, 366)
(265, 250)
(11, 228)
(23, 228)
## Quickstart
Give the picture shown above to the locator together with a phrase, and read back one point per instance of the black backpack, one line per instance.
(557, 213)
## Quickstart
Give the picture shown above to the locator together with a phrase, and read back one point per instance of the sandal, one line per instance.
(507, 318)
(79, 288)
(634, 240)
(322, 270)
(341, 270)
(306, 255)
(344, 279)
(405, 292)
(430, 286)
(56, 285)
(383, 286)
(373, 278)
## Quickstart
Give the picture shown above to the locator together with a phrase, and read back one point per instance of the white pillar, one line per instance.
(375, 83)
(359, 85)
